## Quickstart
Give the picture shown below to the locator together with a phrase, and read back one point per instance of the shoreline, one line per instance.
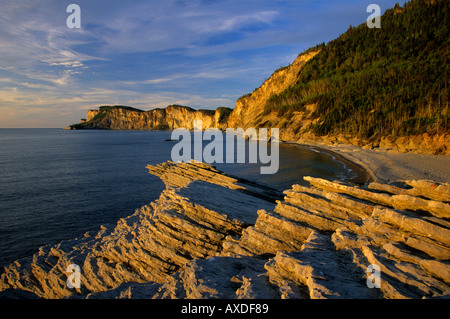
(382, 164)
(363, 174)
(386, 166)
(243, 245)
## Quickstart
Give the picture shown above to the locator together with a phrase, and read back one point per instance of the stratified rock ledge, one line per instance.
(211, 235)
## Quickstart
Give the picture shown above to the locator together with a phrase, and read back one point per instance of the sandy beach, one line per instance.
(388, 166)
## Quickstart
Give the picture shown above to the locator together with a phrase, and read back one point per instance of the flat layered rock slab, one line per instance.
(220, 278)
(199, 208)
(234, 204)
(323, 272)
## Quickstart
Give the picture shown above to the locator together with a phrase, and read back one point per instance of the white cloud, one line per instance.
(220, 22)
(150, 26)
(35, 42)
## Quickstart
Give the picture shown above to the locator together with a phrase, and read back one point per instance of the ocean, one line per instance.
(56, 185)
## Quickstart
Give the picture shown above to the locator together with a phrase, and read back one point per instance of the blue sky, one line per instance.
(148, 54)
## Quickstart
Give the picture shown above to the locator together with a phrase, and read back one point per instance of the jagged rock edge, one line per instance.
(315, 243)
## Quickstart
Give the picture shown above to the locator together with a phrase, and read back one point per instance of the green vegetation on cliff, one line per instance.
(371, 83)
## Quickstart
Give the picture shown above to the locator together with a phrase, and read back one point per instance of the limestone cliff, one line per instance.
(295, 125)
(169, 118)
(251, 111)
(249, 108)
(247, 241)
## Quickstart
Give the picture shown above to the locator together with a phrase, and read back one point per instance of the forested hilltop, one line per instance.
(372, 83)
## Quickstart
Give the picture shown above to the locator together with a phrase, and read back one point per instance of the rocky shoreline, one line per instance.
(211, 235)
(362, 175)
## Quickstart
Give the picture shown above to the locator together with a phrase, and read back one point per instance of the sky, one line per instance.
(148, 54)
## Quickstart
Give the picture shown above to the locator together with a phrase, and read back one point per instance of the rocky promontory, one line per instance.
(340, 92)
(120, 117)
(211, 235)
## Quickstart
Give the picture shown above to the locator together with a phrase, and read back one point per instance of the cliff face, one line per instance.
(91, 114)
(249, 108)
(251, 111)
(247, 241)
(169, 118)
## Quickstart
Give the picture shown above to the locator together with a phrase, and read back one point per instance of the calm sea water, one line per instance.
(56, 184)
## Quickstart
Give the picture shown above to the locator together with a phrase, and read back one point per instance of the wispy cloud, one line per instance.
(207, 72)
(35, 42)
(212, 22)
